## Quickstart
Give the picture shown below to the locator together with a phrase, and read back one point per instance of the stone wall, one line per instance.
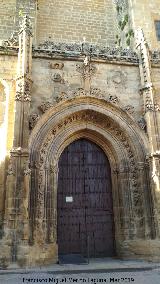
(7, 18)
(8, 74)
(143, 15)
(11, 13)
(71, 20)
(119, 81)
(7, 77)
(156, 83)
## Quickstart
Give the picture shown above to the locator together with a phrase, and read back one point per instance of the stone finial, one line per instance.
(26, 25)
(139, 36)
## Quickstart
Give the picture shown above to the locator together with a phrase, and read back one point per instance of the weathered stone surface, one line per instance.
(65, 88)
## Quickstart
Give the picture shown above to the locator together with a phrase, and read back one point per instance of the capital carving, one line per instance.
(19, 151)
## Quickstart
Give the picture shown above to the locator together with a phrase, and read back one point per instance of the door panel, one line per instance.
(84, 179)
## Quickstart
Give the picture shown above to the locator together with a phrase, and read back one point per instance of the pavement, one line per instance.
(96, 265)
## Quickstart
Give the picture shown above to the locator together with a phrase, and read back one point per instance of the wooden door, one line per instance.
(85, 213)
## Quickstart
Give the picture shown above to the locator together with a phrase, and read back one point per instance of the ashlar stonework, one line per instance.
(55, 91)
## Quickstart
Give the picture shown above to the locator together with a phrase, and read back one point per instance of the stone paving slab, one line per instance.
(95, 265)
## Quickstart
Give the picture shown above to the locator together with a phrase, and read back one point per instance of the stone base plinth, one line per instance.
(37, 255)
(140, 249)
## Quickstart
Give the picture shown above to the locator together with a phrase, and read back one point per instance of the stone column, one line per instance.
(18, 181)
(152, 117)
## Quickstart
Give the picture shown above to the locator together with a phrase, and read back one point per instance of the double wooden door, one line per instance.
(85, 213)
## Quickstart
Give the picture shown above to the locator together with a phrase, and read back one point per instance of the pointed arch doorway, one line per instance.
(85, 210)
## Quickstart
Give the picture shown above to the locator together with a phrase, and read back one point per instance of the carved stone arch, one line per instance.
(95, 135)
(125, 146)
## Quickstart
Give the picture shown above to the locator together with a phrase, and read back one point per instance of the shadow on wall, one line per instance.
(4, 99)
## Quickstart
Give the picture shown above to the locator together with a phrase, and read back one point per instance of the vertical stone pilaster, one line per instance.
(152, 117)
(16, 225)
(23, 85)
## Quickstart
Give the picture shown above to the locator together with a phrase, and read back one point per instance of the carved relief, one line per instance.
(113, 99)
(129, 109)
(142, 123)
(39, 232)
(26, 25)
(156, 107)
(56, 65)
(101, 52)
(117, 79)
(57, 78)
(80, 92)
(34, 117)
(19, 151)
(86, 69)
(62, 97)
(114, 129)
(13, 41)
(150, 106)
(27, 170)
(94, 92)
(23, 91)
(45, 106)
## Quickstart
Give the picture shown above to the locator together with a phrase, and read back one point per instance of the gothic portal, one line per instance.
(79, 130)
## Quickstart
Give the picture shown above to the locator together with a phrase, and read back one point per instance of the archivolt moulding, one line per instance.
(99, 121)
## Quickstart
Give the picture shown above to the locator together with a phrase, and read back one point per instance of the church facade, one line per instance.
(79, 130)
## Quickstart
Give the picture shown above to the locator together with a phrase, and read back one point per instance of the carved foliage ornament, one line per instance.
(13, 41)
(86, 69)
(34, 117)
(45, 106)
(150, 106)
(97, 51)
(23, 91)
(94, 92)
